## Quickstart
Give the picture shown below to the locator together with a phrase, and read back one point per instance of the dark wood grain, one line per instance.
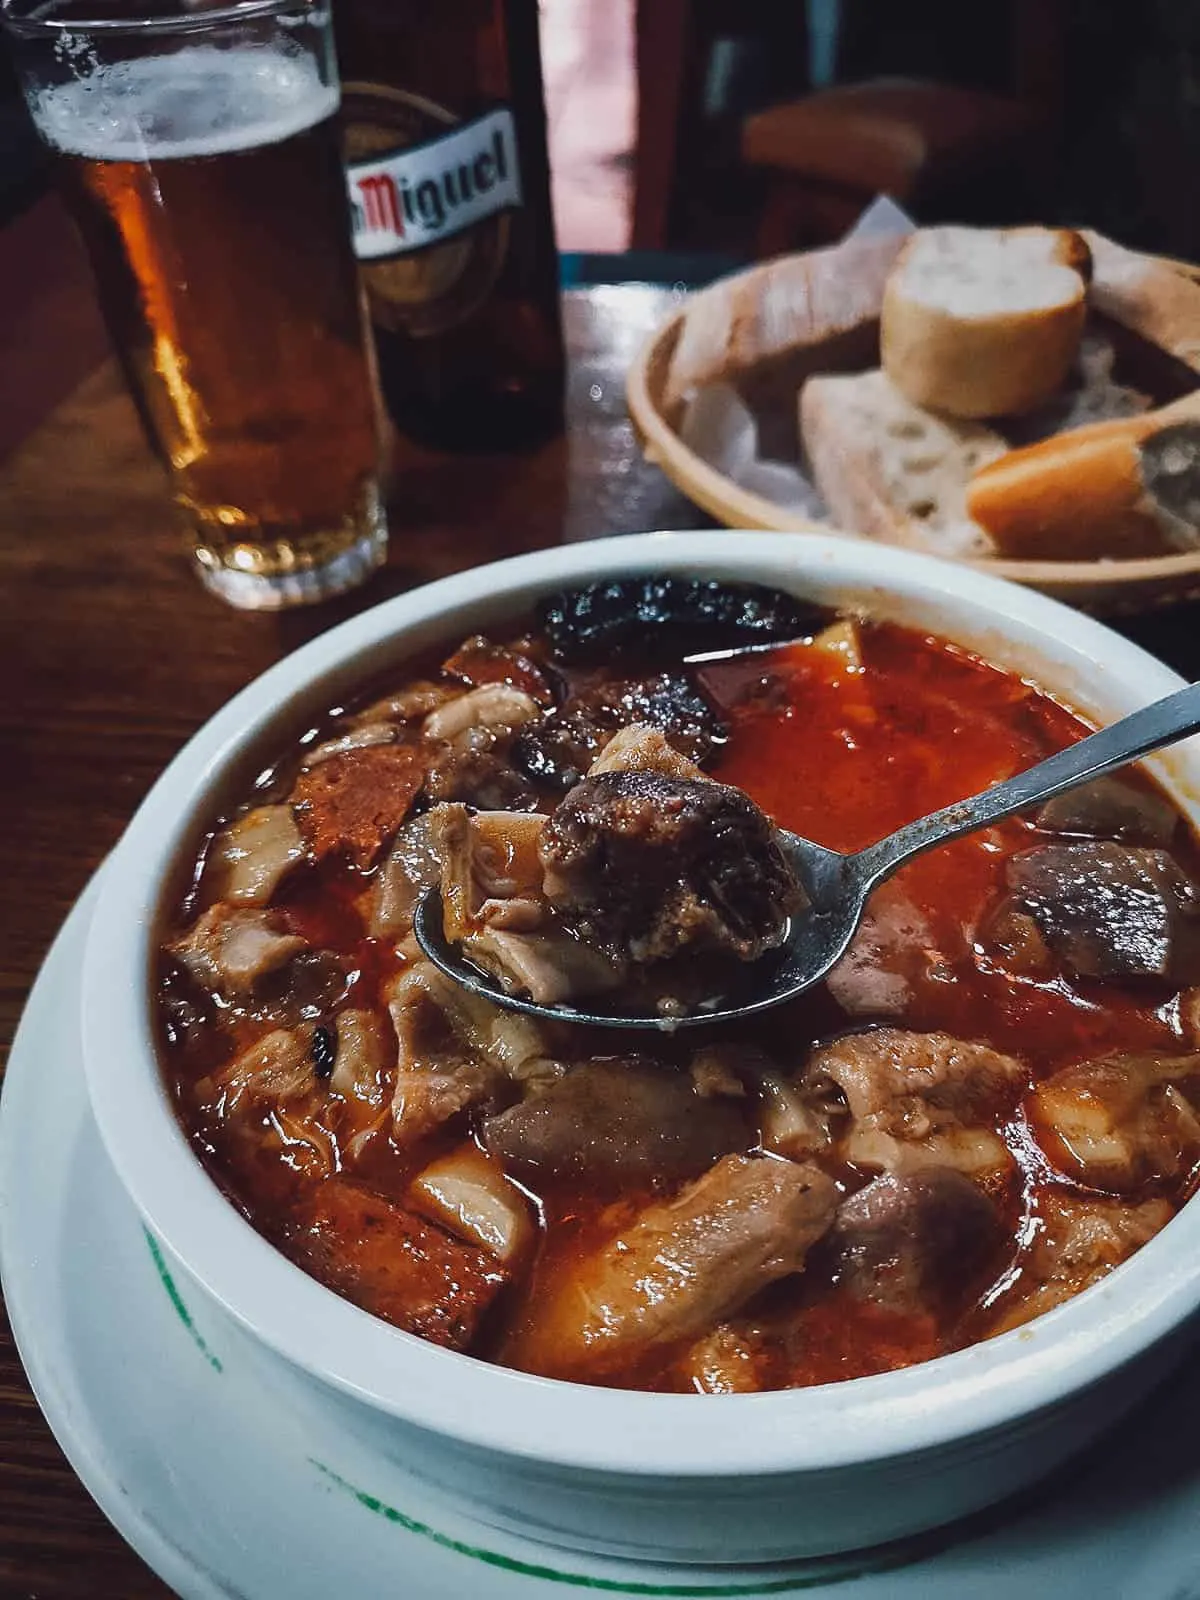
(111, 655)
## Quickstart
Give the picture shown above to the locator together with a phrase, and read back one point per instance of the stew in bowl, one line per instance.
(961, 964)
(991, 1103)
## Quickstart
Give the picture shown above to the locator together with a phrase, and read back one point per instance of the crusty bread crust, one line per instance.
(1078, 496)
(755, 317)
(984, 322)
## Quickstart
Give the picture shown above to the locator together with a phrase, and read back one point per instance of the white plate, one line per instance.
(202, 1454)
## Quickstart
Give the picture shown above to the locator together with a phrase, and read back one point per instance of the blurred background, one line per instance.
(752, 126)
(745, 127)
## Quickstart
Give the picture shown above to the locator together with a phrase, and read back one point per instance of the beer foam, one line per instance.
(201, 101)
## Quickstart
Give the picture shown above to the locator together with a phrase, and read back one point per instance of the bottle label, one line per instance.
(408, 198)
(432, 199)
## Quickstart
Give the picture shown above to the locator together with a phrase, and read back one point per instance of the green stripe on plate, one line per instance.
(176, 1299)
(885, 1560)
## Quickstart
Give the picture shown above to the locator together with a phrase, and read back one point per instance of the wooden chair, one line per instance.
(940, 151)
(945, 151)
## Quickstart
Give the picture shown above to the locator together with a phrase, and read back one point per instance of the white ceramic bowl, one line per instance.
(705, 1479)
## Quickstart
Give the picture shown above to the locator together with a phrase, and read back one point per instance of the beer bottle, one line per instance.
(445, 130)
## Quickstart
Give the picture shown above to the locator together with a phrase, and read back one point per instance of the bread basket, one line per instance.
(1109, 587)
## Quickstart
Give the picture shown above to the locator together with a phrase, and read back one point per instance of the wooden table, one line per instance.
(111, 655)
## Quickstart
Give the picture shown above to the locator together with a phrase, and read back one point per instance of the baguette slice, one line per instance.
(778, 310)
(984, 322)
(889, 470)
(1125, 488)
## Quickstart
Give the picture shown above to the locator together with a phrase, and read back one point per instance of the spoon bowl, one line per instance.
(814, 941)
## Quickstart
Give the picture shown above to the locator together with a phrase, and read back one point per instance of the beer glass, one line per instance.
(198, 150)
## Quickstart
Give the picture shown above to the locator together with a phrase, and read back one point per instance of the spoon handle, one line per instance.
(1162, 723)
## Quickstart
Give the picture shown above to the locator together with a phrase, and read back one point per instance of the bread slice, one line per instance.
(891, 471)
(775, 311)
(983, 322)
(1124, 488)
(1153, 298)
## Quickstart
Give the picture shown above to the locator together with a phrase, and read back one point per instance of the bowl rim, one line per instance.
(568, 1426)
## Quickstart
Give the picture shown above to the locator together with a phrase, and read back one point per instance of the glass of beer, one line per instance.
(199, 152)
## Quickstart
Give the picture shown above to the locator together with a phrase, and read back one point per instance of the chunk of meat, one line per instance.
(479, 777)
(1014, 938)
(230, 951)
(395, 1264)
(312, 985)
(1121, 1121)
(361, 737)
(470, 1196)
(491, 884)
(497, 708)
(275, 1069)
(550, 968)
(505, 862)
(1079, 1241)
(619, 1122)
(646, 866)
(642, 749)
(493, 903)
(893, 952)
(252, 855)
(921, 1099)
(883, 1065)
(297, 1136)
(411, 704)
(437, 1074)
(558, 750)
(453, 1050)
(361, 1057)
(798, 1118)
(726, 1361)
(1109, 808)
(680, 1267)
(1111, 910)
(478, 661)
(491, 870)
(353, 803)
(916, 1242)
(414, 864)
(724, 1068)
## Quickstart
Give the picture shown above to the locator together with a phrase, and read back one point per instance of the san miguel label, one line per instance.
(420, 196)
(429, 197)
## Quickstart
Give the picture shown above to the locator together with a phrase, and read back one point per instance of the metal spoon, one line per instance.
(838, 885)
